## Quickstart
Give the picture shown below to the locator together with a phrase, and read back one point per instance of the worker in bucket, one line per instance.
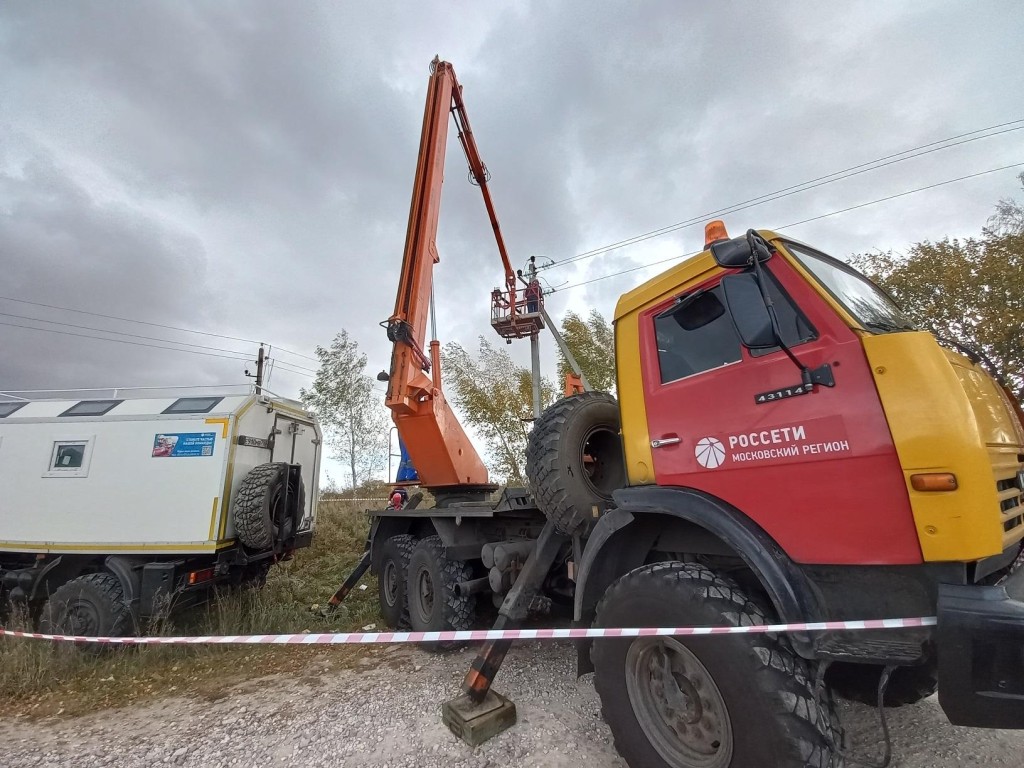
(399, 496)
(533, 296)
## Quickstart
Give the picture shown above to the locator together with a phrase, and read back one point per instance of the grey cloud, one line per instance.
(60, 247)
(282, 138)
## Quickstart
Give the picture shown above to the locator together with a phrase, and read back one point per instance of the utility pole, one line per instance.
(260, 359)
(531, 272)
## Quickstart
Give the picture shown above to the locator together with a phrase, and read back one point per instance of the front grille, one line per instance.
(1011, 502)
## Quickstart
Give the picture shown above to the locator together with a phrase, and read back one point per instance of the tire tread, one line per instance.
(544, 460)
(814, 731)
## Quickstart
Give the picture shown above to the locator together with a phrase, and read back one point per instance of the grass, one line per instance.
(40, 679)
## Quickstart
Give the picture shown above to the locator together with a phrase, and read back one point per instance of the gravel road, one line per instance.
(385, 711)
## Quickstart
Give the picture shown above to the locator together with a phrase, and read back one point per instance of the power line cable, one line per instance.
(278, 365)
(244, 355)
(778, 194)
(798, 223)
(120, 333)
(155, 325)
(123, 341)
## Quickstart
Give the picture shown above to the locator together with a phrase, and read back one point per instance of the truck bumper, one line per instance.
(980, 644)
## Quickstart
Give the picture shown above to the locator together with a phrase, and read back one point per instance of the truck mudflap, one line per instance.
(980, 644)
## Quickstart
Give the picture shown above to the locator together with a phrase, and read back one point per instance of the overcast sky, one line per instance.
(245, 168)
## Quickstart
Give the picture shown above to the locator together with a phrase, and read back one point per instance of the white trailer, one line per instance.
(114, 508)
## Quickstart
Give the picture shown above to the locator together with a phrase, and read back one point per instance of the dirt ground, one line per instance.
(385, 711)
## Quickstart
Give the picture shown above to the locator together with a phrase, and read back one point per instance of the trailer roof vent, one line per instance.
(6, 409)
(91, 408)
(193, 405)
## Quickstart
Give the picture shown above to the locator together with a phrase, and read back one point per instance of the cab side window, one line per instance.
(694, 335)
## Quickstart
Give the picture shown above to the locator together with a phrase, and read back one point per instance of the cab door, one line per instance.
(817, 470)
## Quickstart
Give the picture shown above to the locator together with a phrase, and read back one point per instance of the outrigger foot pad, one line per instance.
(474, 722)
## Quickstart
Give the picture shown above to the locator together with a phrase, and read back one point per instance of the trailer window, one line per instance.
(6, 409)
(91, 407)
(69, 458)
(193, 405)
(695, 335)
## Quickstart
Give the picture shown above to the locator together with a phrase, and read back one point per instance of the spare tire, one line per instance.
(574, 459)
(258, 509)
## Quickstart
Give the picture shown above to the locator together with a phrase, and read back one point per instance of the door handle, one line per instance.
(665, 441)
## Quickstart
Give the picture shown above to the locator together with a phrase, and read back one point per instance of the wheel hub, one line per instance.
(81, 618)
(678, 704)
(390, 578)
(425, 590)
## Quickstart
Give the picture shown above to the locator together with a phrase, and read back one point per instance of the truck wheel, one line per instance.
(574, 459)
(258, 509)
(859, 682)
(92, 605)
(392, 569)
(430, 586)
(727, 701)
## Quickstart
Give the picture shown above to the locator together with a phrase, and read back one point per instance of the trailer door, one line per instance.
(295, 442)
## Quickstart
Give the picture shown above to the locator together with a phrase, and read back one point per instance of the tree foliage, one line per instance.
(352, 416)
(1008, 218)
(592, 343)
(971, 291)
(495, 395)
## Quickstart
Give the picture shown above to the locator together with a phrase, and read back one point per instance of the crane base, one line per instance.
(474, 722)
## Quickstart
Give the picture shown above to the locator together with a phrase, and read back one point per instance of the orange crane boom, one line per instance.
(436, 442)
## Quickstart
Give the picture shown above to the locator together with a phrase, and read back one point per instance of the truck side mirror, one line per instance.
(732, 253)
(739, 252)
(748, 311)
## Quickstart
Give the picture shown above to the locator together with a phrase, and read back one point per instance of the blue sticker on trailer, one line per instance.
(179, 444)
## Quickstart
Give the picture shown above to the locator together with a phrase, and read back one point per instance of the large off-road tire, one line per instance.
(258, 509)
(392, 567)
(430, 587)
(859, 682)
(574, 459)
(91, 606)
(724, 701)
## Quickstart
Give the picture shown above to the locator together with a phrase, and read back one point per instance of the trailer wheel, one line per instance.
(705, 702)
(859, 682)
(392, 568)
(92, 605)
(574, 459)
(430, 586)
(258, 509)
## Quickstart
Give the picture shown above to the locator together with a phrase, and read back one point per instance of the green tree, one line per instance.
(592, 343)
(1009, 216)
(495, 395)
(971, 291)
(352, 416)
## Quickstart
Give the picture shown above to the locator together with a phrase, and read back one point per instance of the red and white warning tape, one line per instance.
(359, 638)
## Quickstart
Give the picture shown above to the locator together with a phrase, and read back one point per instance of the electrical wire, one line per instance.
(778, 194)
(119, 333)
(282, 367)
(123, 341)
(293, 367)
(798, 223)
(155, 325)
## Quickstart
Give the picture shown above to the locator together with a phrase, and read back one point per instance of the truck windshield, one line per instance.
(871, 307)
